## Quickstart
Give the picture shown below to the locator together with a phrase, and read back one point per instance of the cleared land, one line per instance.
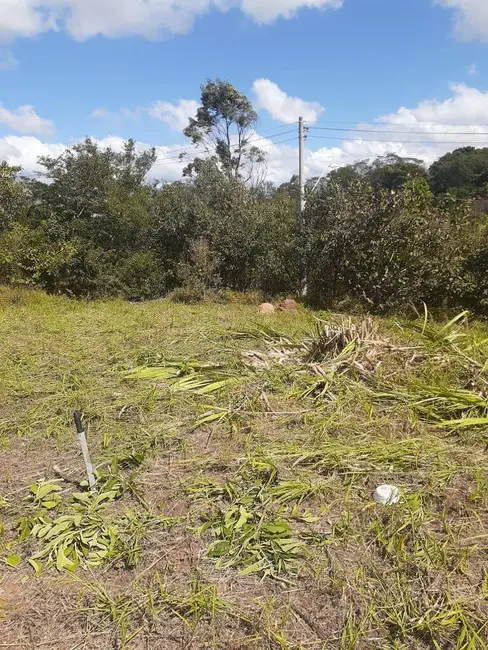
(236, 459)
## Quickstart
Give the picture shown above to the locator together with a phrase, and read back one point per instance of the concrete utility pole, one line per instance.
(301, 179)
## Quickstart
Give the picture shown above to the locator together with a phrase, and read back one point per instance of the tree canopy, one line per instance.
(385, 232)
(223, 130)
(464, 173)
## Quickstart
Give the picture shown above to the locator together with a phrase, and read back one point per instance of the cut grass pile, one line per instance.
(235, 460)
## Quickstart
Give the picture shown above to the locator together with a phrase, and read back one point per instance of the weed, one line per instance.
(268, 441)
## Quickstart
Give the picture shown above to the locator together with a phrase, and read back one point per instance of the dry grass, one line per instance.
(236, 459)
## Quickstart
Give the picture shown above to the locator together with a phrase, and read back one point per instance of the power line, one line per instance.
(172, 159)
(330, 137)
(274, 128)
(270, 144)
(324, 128)
(277, 135)
(418, 123)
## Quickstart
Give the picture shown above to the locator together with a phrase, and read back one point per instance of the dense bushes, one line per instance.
(391, 248)
(93, 227)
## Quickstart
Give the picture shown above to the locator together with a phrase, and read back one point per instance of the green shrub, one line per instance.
(389, 249)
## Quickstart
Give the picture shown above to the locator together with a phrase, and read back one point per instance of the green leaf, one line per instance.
(13, 560)
(57, 529)
(41, 491)
(218, 549)
(82, 497)
(253, 568)
(277, 528)
(463, 423)
(63, 562)
(244, 517)
(36, 565)
(211, 417)
(49, 505)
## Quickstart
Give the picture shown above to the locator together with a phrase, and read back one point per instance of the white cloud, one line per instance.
(473, 69)
(470, 18)
(7, 60)
(25, 120)
(465, 113)
(102, 114)
(426, 131)
(281, 106)
(175, 115)
(266, 11)
(24, 151)
(84, 19)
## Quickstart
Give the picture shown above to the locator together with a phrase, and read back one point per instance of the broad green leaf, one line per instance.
(243, 518)
(41, 491)
(82, 497)
(253, 568)
(36, 565)
(49, 505)
(43, 531)
(210, 417)
(218, 549)
(276, 528)
(13, 560)
(464, 423)
(57, 529)
(63, 562)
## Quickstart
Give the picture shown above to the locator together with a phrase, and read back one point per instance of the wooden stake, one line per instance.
(84, 448)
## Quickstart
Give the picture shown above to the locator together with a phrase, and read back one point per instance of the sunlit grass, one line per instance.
(240, 454)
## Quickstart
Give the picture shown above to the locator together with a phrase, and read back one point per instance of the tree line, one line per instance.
(385, 233)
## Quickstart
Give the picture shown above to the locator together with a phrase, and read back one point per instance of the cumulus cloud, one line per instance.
(459, 118)
(102, 114)
(470, 18)
(8, 62)
(281, 106)
(175, 115)
(24, 119)
(269, 10)
(426, 131)
(84, 19)
(24, 151)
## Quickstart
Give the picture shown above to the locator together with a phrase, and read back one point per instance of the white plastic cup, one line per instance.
(386, 495)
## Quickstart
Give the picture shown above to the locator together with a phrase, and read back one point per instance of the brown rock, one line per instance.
(289, 305)
(266, 308)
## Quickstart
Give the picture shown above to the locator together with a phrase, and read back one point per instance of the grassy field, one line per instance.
(236, 457)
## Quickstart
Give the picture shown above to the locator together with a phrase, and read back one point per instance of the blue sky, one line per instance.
(121, 68)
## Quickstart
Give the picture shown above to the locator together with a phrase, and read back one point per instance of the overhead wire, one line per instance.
(391, 132)
(389, 141)
(418, 123)
(174, 159)
(188, 150)
(278, 132)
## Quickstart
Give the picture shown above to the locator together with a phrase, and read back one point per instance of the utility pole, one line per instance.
(301, 180)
